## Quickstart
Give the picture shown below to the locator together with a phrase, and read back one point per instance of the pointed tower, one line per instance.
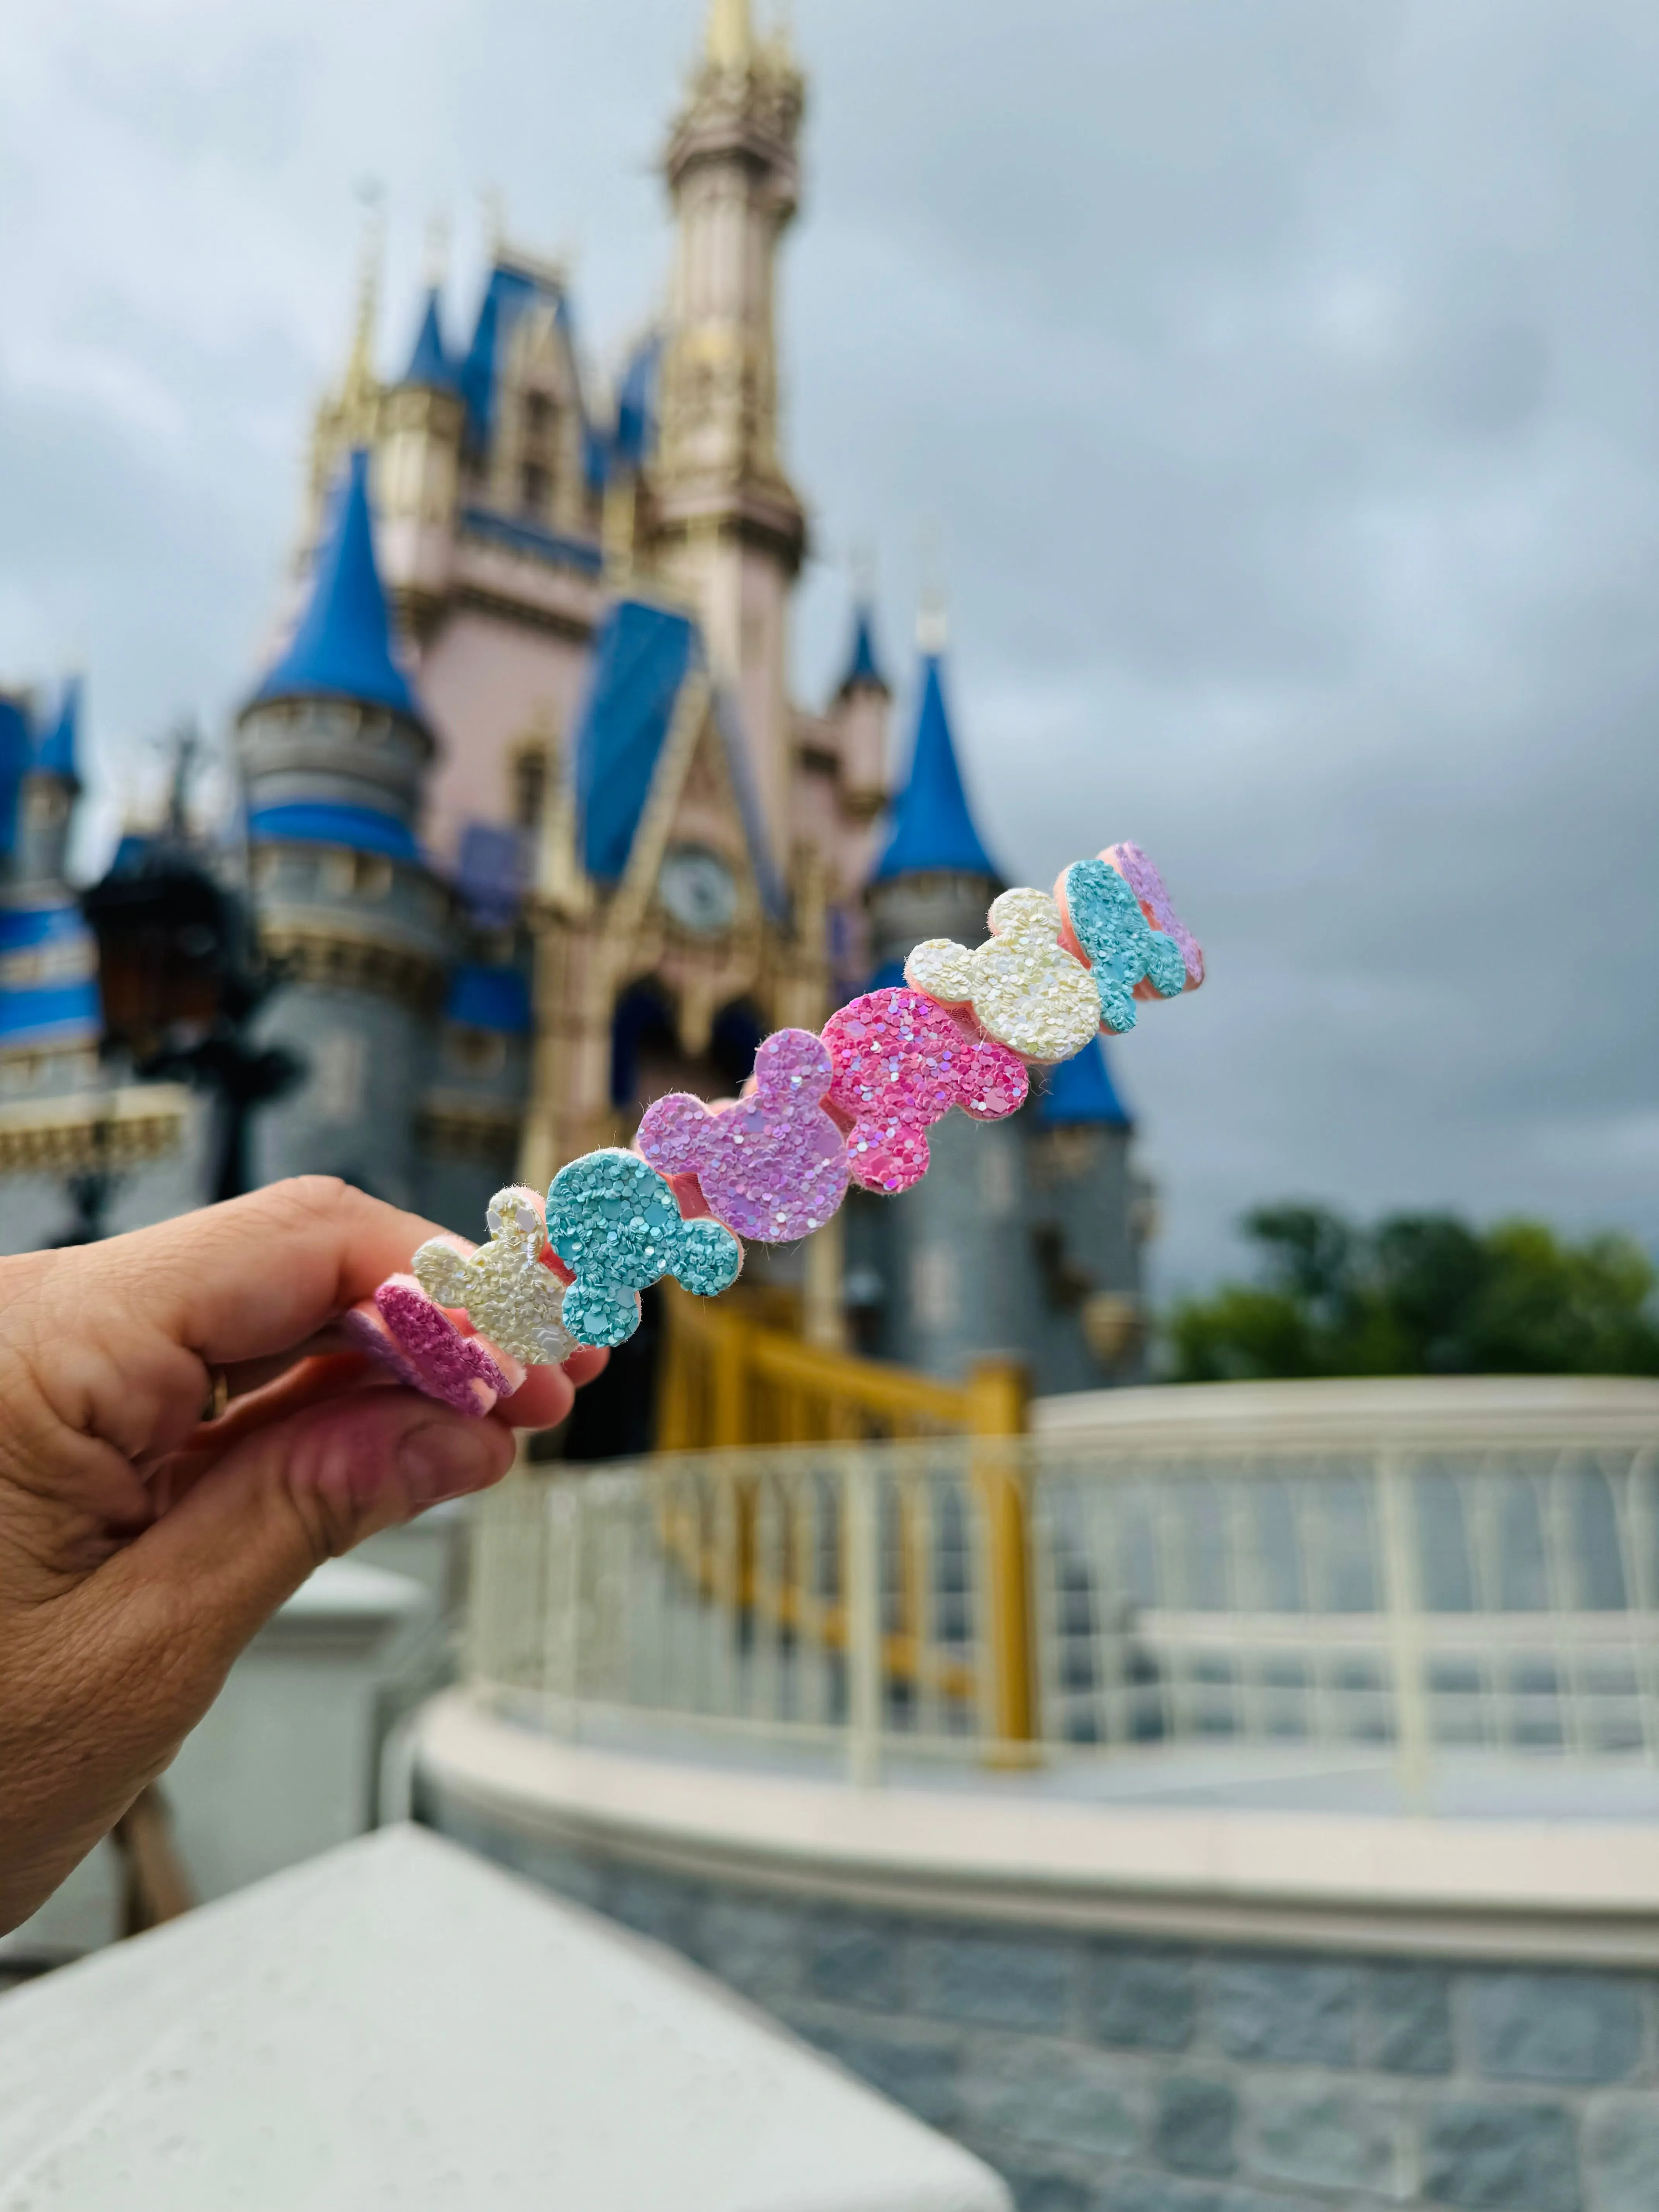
(1024, 1237)
(50, 1019)
(334, 749)
(419, 471)
(934, 877)
(731, 530)
(859, 714)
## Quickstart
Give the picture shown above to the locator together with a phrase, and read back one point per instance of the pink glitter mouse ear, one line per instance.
(406, 1331)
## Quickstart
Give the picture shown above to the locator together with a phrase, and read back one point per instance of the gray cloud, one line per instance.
(1280, 381)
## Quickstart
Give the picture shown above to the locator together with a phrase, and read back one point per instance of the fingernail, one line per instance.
(443, 1459)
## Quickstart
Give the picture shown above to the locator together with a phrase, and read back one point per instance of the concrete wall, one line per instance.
(1099, 2073)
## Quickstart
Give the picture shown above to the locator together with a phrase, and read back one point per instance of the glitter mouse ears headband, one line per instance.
(820, 1112)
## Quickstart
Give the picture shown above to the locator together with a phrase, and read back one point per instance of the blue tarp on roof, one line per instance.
(489, 999)
(16, 751)
(430, 363)
(342, 647)
(58, 748)
(641, 657)
(359, 828)
(862, 665)
(933, 832)
(1080, 1092)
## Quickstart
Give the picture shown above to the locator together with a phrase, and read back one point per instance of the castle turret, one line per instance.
(418, 470)
(1023, 1236)
(50, 1021)
(934, 878)
(730, 529)
(859, 714)
(334, 748)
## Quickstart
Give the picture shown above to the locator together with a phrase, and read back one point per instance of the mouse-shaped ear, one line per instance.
(600, 1313)
(791, 1064)
(704, 1257)
(439, 1268)
(515, 1214)
(403, 1328)
(941, 969)
(677, 1133)
(1025, 917)
(992, 1082)
(1123, 949)
(1138, 871)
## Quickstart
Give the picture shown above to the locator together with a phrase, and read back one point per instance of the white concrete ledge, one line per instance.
(1515, 1889)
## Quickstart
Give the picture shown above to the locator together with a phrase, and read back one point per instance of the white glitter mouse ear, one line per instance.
(941, 970)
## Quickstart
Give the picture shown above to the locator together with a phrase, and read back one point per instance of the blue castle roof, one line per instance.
(59, 1004)
(862, 665)
(429, 362)
(16, 754)
(342, 647)
(641, 657)
(508, 293)
(933, 832)
(1080, 1092)
(637, 402)
(58, 750)
(486, 997)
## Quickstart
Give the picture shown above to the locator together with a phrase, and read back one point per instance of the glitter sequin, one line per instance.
(508, 1291)
(1026, 990)
(1143, 878)
(403, 1328)
(612, 1219)
(901, 1062)
(773, 1165)
(1122, 947)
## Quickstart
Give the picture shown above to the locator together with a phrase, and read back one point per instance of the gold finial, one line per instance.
(730, 35)
(360, 364)
(931, 626)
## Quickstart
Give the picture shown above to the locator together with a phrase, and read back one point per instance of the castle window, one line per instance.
(371, 877)
(537, 413)
(478, 1053)
(534, 483)
(529, 786)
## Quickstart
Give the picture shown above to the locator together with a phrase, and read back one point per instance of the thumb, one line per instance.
(279, 1503)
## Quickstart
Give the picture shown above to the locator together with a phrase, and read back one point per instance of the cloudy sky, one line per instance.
(1280, 383)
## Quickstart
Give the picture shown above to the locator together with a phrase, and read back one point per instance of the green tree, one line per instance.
(1420, 1294)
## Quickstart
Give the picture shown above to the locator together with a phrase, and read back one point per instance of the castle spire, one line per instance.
(359, 383)
(731, 34)
(342, 648)
(933, 831)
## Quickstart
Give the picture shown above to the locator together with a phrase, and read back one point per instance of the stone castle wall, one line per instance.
(1104, 2075)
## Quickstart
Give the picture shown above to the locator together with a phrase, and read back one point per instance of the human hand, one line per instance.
(140, 1551)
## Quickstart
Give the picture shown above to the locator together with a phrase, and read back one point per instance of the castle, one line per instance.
(535, 831)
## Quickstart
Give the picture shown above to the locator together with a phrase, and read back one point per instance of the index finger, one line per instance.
(258, 1275)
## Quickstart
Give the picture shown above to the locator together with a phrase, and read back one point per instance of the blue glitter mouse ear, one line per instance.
(1166, 964)
(707, 1257)
(596, 1314)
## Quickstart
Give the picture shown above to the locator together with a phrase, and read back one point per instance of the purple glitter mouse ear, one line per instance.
(402, 1328)
(791, 1064)
(677, 1133)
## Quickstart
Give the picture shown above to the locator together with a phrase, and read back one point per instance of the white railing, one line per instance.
(1091, 1598)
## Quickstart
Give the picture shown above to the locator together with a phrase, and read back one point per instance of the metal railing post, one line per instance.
(997, 1404)
(861, 1572)
(1405, 1608)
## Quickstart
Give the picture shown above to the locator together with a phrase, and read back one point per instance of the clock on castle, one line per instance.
(536, 829)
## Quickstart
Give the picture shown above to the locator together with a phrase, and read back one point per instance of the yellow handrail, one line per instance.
(728, 1381)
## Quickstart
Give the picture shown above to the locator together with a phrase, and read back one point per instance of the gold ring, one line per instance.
(217, 1398)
